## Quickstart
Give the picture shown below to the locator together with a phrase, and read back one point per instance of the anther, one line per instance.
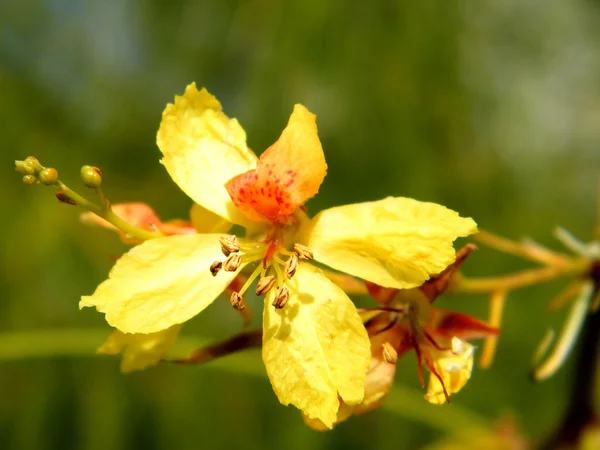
(216, 267)
(232, 263)
(264, 285)
(237, 301)
(303, 252)
(281, 297)
(390, 355)
(290, 266)
(229, 245)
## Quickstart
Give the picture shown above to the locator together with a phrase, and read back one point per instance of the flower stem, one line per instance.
(105, 211)
(530, 251)
(573, 268)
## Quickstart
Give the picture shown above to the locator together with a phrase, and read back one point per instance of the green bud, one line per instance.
(32, 165)
(29, 180)
(91, 176)
(48, 176)
(23, 168)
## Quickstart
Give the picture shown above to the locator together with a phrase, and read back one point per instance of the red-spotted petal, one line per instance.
(288, 173)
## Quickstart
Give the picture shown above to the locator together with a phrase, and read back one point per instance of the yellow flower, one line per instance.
(315, 348)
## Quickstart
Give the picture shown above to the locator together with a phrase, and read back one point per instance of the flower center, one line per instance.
(275, 265)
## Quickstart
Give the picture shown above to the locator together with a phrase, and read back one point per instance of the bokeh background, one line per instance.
(491, 108)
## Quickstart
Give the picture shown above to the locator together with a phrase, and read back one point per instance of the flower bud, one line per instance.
(91, 176)
(264, 285)
(23, 169)
(29, 180)
(32, 165)
(48, 176)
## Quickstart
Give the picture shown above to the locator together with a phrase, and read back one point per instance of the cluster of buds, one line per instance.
(34, 173)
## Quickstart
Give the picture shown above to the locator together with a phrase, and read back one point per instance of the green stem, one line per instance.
(107, 213)
(574, 268)
(406, 402)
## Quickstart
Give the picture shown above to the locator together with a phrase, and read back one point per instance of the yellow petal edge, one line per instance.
(202, 149)
(316, 347)
(395, 242)
(139, 350)
(160, 283)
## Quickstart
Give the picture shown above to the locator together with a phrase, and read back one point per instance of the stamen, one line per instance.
(419, 360)
(232, 263)
(390, 355)
(281, 297)
(393, 321)
(215, 268)
(303, 252)
(237, 301)
(257, 272)
(229, 244)
(279, 274)
(290, 266)
(435, 344)
(264, 285)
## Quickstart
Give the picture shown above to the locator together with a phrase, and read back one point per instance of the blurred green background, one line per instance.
(490, 108)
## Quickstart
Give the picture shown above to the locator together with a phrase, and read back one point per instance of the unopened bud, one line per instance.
(29, 180)
(264, 285)
(290, 266)
(23, 169)
(48, 176)
(215, 268)
(232, 263)
(32, 165)
(237, 301)
(91, 176)
(281, 297)
(229, 244)
(390, 355)
(303, 252)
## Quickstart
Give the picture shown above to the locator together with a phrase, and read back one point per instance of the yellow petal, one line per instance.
(206, 221)
(316, 347)
(379, 382)
(202, 149)
(454, 366)
(139, 350)
(344, 412)
(395, 242)
(161, 283)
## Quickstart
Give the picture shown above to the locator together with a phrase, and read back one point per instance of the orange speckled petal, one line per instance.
(288, 173)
